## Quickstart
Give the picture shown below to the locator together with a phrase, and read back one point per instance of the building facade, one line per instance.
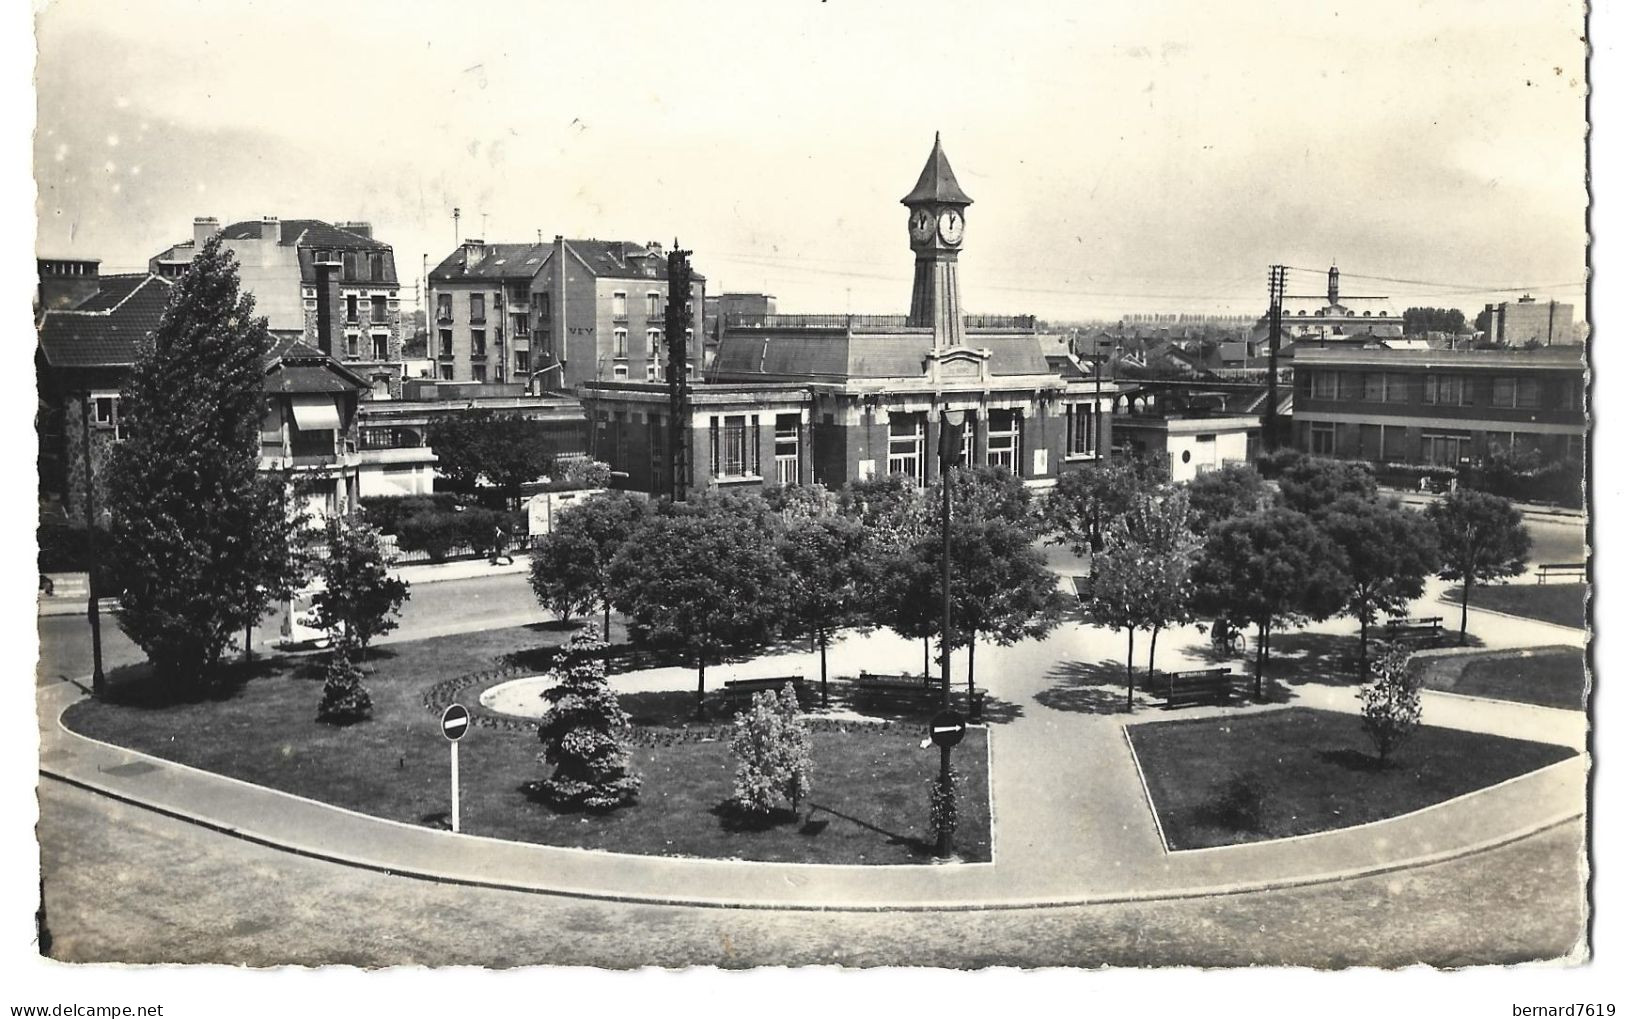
(301, 271)
(1527, 321)
(1339, 316)
(1439, 406)
(562, 314)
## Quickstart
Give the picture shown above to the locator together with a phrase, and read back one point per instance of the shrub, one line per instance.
(583, 732)
(945, 806)
(1391, 703)
(774, 753)
(344, 699)
(430, 531)
(386, 512)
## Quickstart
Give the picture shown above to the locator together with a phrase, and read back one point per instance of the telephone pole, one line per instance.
(1277, 291)
(679, 320)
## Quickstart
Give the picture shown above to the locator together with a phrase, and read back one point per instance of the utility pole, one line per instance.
(98, 680)
(1277, 291)
(679, 318)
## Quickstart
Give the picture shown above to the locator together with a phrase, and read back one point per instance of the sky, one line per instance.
(1124, 158)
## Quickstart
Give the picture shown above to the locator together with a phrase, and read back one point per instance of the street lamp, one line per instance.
(530, 383)
(948, 444)
(98, 680)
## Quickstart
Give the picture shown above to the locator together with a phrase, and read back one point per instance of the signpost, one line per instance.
(453, 726)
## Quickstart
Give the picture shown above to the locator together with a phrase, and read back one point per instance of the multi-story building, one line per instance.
(1527, 321)
(303, 270)
(1439, 406)
(1341, 316)
(564, 314)
(88, 342)
(836, 398)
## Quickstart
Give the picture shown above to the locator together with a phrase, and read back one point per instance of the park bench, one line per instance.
(1410, 628)
(895, 686)
(1198, 686)
(1559, 570)
(745, 689)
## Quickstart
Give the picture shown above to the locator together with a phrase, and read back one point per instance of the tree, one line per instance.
(700, 583)
(825, 559)
(1389, 552)
(1434, 320)
(602, 524)
(583, 733)
(358, 597)
(1231, 491)
(505, 450)
(1481, 539)
(1310, 484)
(773, 751)
(1141, 579)
(1391, 704)
(203, 541)
(1273, 568)
(1084, 502)
(1001, 587)
(563, 572)
(344, 699)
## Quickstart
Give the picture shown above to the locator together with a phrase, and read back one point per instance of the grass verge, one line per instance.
(1563, 604)
(1225, 780)
(1548, 677)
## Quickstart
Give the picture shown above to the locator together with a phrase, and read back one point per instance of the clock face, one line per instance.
(951, 225)
(920, 225)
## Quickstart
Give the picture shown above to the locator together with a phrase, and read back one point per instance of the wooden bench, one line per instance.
(1424, 628)
(1198, 686)
(745, 689)
(1559, 570)
(895, 686)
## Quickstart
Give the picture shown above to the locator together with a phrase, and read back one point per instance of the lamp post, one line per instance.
(98, 680)
(948, 435)
(530, 383)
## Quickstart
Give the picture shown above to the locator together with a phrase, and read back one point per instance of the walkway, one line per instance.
(1071, 821)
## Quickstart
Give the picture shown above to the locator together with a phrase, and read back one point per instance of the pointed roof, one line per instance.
(936, 183)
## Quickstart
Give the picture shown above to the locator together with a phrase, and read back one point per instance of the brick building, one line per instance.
(1439, 406)
(301, 270)
(594, 309)
(848, 397)
(1528, 321)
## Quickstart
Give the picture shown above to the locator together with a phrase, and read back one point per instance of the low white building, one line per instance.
(1188, 445)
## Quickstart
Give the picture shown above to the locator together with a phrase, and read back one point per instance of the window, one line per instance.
(617, 304)
(620, 343)
(349, 265)
(521, 362)
(1321, 438)
(517, 292)
(728, 447)
(543, 303)
(445, 373)
(1393, 443)
(375, 265)
(445, 343)
(380, 310)
(443, 307)
(1565, 395)
(1503, 391)
(1444, 390)
(1080, 429)
(1398, 388)
(1374, 387)
(477, 341)
(1528, 394)
(104, 414)
(905, 450)
(351, 313)
(1442, 448)
(1323, 384)
(352, 345)
(654, 339)
(476, 307)
(380, 347)
(787, 449)
(655, 309)
(1004, 440)
(479, 373)
(689, 369)
(649, 372)
(620, 371)
(1348, 385)
(1505, 442)
(521, 326)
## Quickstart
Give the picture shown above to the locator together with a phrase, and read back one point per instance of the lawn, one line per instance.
(869, 802)
(1233, 779)
(1563, 604)
(1550, 677)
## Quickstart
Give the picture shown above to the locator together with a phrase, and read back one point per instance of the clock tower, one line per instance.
(936, 228)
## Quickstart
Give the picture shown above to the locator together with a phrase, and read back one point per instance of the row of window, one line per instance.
(736, 448)
(906, 452)
(378, 309)
(1439, 389)
(654, 306)
(359, 266)
(1390, 443)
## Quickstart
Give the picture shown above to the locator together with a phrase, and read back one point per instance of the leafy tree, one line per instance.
(581, 472)
(1481, 321)
(991, 493)
(826, 560)
(505, 450)
(1434, 320)
(202, 540)
(563, 572)
(344, 699)
(1482, 539)
(359, 596)
(1141, 579)
(1084, 502)
(1391, 704)
(603, 523)
(1231, 491)
(701, 584)
(583, 733)
(894, 510)
(1389, 552)
(798, 502)
(1273, 568)
(773, 751)
(1310, 484)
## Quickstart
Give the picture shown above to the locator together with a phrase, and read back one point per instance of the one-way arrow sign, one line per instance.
(947, 729)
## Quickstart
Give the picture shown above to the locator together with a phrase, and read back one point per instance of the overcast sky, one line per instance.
(1123, 156)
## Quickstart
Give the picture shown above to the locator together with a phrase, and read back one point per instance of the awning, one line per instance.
(315, 413)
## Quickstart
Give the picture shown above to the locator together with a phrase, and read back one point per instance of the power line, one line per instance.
(1453, 288)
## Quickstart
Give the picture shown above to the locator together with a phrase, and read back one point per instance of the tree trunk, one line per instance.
(823, 666)
(970, 671)
(1364, 667)
(1258, 666)
(606, 619)
(699, 699)
(925, 658)
(1131, 669)
(1151, 662)
(1466, 592)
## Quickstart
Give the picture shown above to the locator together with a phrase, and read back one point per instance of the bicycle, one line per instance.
(1228, 639)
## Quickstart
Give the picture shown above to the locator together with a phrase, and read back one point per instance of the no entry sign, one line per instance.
(454, 723)
(947, 729)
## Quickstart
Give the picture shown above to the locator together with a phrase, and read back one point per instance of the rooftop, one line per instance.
(937, 183)
(1570, 356)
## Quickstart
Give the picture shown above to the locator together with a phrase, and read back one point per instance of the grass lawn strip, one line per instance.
(1563, 604)
(1549, 677)
(869, 804)
(1228, 780)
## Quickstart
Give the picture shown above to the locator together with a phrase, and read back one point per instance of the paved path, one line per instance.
(1071, 821)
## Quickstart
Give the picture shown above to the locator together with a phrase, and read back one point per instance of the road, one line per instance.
(220, 899)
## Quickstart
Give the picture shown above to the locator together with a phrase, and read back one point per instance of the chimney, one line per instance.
(67, 282)
(327, 304)
(204, 227)
(473, 252)
(271, 229)
(358, 227)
